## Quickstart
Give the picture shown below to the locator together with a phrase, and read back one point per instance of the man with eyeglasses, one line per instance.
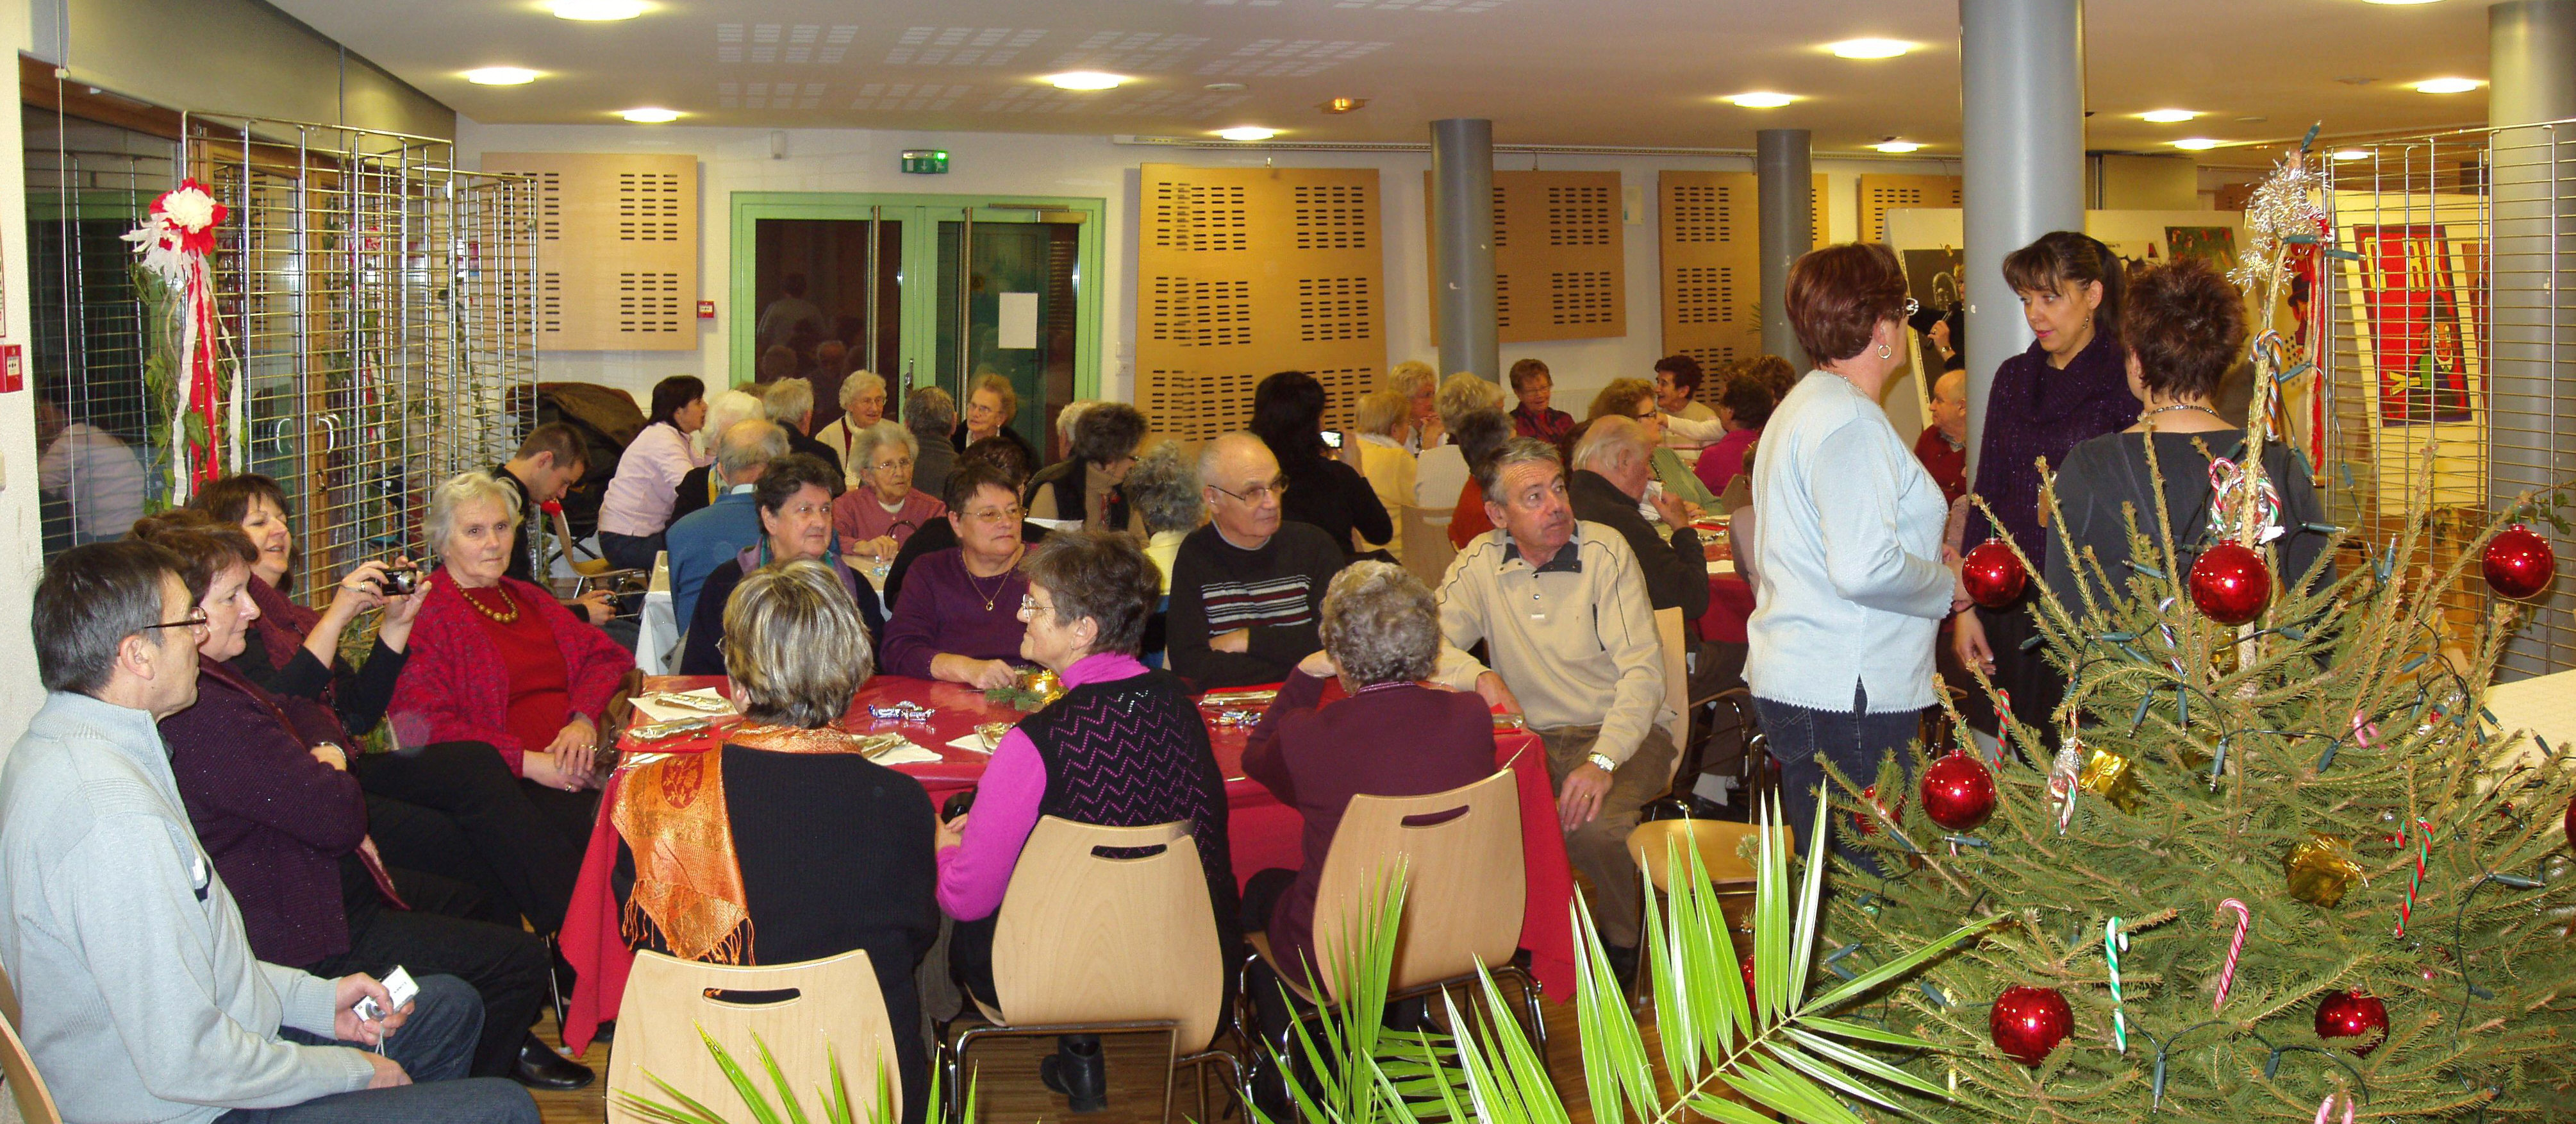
(1248, 588)
(141, 997)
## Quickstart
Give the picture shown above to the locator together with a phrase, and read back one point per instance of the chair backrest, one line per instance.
(1675, 640)
(1464, 884)
(1085, 937)
(27, 1087)
(836, 1007)
(1427, 549)
(1651, 845)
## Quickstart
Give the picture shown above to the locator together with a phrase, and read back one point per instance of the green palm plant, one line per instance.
(1778, 1044)
(835, 1101)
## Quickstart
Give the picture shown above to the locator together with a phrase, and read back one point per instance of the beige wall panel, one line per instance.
(1711, 268)
(1241, 272)
(617, 249)
(1560, 264)
(1881, 194)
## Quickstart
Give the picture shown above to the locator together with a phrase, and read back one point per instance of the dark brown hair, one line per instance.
(975, 475)
(1102, 575)
(1748, 398)
(1524, 370)
(1107, 432)
(1684, 369)
(2186, 325)
(229, 499)
(1838, 295)
(789, 475)
(199, 546)
(554, 437)
(2063, 257)
(1771, 371)
(1620, 397)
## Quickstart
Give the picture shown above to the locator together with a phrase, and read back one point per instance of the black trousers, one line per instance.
(506, 965)
(2035, 685)
(527, 838)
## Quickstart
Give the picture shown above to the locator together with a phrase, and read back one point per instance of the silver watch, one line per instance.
(1603, 762)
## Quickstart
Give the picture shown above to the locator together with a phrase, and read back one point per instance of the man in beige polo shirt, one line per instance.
(1561, 607)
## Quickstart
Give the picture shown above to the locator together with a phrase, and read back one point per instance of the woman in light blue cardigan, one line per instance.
(1850, 586)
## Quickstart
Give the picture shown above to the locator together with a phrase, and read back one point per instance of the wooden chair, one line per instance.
(1427, 549)
(27, 1087)
(1096, 938)
(1465, 889)
(1652, 846)
(1727, 714)
(1674, 637)
(829, 1005)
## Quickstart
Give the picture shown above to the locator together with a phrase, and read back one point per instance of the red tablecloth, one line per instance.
(1261, 832)
(1730, 602)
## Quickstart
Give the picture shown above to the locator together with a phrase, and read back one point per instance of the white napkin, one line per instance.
(971, 743)
(908, 754)
(665, 712)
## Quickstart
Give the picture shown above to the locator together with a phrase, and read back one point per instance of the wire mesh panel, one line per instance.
(2450, 348)
(376, 301)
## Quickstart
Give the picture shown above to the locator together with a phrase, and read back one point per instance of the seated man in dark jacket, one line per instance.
(1612, 474)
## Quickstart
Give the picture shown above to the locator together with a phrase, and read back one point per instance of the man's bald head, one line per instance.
(1950, 406)
(1241, 483)
(747, 447)
(1615, 448)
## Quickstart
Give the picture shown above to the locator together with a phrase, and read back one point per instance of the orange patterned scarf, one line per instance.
(688, 882)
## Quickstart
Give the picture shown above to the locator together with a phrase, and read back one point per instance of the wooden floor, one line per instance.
(1009, 1088)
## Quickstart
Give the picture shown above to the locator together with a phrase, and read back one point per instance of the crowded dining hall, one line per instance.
(1329, 560)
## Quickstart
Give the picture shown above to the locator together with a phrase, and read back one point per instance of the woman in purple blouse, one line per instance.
(959, 620)
(2071, 386)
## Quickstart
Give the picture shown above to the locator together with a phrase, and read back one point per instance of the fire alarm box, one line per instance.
(706, 310)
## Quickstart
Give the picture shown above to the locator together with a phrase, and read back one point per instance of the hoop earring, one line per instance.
(1884, 352)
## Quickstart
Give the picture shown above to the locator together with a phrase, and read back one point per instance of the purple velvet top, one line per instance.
(974, 874)
(944, 609)
(2034, 411)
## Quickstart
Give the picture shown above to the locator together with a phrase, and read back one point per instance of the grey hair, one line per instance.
(857, 383)
(864, 444)
(1606, 438)
(794, 646)
(1462, 394)
(930, 412)
(460, 490)
(1518, 450)
(748, 444)
(1381, 410)
(1163, 488)
(787, 400)
(1071, 412)
(1411, 375)
(1381, 624)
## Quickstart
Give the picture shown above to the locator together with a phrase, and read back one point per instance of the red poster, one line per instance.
(2412, 294)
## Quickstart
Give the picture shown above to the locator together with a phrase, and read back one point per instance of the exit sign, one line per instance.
(925, 161)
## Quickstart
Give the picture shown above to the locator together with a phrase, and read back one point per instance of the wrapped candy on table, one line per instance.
(901, 712)
(1235, 717)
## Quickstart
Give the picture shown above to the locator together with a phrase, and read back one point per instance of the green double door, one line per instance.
(931, 290)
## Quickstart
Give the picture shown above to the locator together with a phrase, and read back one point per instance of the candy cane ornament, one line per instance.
(2414, 881)
(2325, 1109)
(2115, 942)
(2235, 948)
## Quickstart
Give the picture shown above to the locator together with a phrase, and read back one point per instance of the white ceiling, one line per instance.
(1594, 72)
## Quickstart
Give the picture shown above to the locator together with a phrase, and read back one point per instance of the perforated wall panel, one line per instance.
(1247, 271)
(1881, 194)
(617, 249)
(1711, 267)
(1560, 268)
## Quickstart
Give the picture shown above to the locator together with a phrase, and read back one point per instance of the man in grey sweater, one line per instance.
(141, 999)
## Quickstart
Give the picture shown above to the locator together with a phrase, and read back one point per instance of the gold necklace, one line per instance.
(976, 584)
(506, 599)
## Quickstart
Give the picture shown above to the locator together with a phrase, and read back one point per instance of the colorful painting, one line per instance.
(2411, 294)
(2213, 244)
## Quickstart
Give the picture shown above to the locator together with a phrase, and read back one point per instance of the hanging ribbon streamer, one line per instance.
(173, 240)
(2235, 948)
(2115, 942)
(2415, 881)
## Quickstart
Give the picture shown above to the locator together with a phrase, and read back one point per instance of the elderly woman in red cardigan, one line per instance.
(497, 660)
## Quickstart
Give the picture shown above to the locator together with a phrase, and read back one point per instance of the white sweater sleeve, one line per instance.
(1854, 489)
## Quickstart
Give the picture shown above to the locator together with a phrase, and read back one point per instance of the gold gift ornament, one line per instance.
(2321, 868)
(1042, 682)
(2107, 775)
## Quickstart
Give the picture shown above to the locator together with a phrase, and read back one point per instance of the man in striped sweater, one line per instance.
(1248, 588)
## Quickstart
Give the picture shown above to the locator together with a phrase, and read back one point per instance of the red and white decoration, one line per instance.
(173, 240)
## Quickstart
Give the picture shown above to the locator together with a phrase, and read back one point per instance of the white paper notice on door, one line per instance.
(1019, 321)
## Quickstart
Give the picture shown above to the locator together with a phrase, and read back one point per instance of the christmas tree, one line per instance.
(2277, 870)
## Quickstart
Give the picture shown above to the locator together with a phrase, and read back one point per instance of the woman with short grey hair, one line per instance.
(1163, 489)
(929, 414)
(1381, 625)
(1442, 473)
(458, 492)
(863, 403)
(875, 517)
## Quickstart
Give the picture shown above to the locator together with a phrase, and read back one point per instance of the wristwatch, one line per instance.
(1603, 762)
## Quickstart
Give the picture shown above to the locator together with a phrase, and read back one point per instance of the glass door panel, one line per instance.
(1013, 305)
(829, 300)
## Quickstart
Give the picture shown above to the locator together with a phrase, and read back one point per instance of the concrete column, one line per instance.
(2531, 425)
(1462, 245)
(1786, 181)
(2021, 93)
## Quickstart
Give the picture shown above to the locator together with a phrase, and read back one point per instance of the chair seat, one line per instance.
(1652, 846)
(1296, 984)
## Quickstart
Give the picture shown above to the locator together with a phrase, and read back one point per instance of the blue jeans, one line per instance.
(1802, 740)
(436, 1047)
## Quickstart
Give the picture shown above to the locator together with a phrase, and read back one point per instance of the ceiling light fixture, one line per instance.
(2167, 116)
(2448, 86)
(1342, 105)
(594, 11)
(1869, 48)
(2397, 3)
(501, 76)
(2351, 154)
(1761, 99)
(1247, 133)
(1225, 87)
(651, 116)
(2195, 144)
(1085, 80)
(1893, 145)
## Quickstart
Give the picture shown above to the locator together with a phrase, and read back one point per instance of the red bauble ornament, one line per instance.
(2351, 1014)
(2028, 1022)
(2570, 823)
(1865, 821)
(1750, 1001)
(2519, 563)
(1958, 791)
(2230, 583)
(1993, 574)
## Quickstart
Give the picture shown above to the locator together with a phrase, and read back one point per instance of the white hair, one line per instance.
(462, 490)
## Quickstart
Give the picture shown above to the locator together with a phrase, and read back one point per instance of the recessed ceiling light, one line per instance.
(1761, 99)
(2396, 3)
(1342, 105)
(1893, 145)
(597, 10)
(1247, 133)
(1225, 87)
(2167, 116)
(1085, 80)
(651, 116)
(2195, 144)
(501, 76)
(1869, 48)
(2354, 153)
(2448, 86)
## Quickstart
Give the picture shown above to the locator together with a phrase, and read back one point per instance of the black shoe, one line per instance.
(1077, 1070)
(1623, 963)
(540, 1067)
